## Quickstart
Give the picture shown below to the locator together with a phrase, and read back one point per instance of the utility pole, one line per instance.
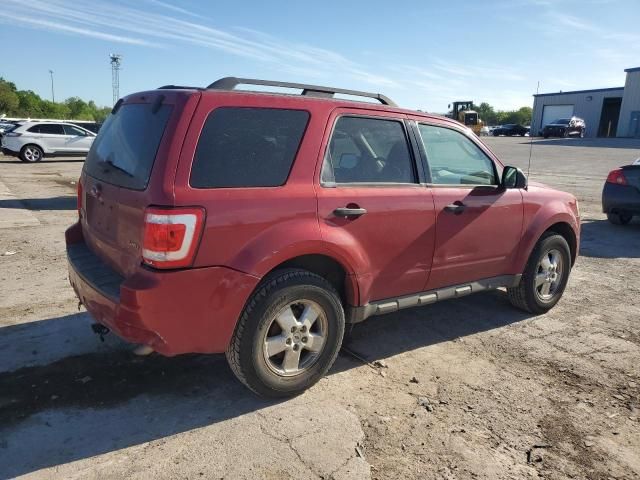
(53, 96)
(115, 59)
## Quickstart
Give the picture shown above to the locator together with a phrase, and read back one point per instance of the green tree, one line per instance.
(30, 104)
(9, 100)
(27, 104)
(486, 113)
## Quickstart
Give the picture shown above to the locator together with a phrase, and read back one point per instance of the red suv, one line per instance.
(260, 224)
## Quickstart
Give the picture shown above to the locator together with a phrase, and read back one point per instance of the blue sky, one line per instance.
(423, 54)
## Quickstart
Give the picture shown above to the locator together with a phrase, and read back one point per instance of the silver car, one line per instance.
(32, 141)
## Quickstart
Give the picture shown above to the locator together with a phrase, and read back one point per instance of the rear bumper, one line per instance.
(9, 152)
(174, 312)
(620, 198)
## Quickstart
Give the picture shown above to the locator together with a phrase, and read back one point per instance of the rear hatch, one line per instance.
(130, 166)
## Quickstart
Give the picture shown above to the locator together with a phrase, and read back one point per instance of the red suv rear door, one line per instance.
(371, 202)
(478, 224)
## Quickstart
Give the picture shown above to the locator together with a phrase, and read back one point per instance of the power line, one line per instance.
(116, 60)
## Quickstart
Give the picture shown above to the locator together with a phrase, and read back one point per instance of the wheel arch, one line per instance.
(562, 222)
(33, 144)
(329, 268)
(566, 231)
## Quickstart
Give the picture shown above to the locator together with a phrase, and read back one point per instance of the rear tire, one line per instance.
(618, 218)
(545, 276)
(31, 153)
(288, 335)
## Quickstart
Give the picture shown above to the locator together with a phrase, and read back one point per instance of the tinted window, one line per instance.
(125, 149)
(454, 159)
(51, 128)
(247, 147)
(71, 130)
(34, 129)
(367, 150)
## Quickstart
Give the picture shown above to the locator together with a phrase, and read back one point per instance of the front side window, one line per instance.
(368, 150)
(51, 128)
(454, 159)
(247, 147)
(75, 131)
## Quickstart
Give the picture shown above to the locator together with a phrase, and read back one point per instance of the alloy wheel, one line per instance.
(295, 338)
(32, 154)
(549, 275)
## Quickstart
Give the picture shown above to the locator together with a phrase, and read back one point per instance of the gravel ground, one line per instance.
(463, 389)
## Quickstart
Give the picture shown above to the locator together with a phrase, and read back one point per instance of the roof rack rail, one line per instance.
(178, 87)
(230, 83)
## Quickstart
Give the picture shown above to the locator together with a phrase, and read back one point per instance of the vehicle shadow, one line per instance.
(601, 239)
(51, 203)
(75, 404)
(5, 159)
(628, 143)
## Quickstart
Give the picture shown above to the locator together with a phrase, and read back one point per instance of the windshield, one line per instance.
(124, 150)
(562, 121)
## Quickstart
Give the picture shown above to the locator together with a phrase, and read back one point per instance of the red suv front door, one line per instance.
(371, 203)
(478, 223)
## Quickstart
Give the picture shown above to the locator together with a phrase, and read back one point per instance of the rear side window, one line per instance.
(368, 150)
(124, 151)
(247, 147)
(48, 128)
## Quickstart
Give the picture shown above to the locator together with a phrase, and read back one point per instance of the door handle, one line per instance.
(456, 207)
(349, 212)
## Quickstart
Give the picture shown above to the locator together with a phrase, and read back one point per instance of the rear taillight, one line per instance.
(79, 199)
(617, 176)
(171, 236)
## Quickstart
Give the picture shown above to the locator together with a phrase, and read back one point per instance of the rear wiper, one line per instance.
(117, 167)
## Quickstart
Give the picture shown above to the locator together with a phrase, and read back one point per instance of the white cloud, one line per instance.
(103, 20)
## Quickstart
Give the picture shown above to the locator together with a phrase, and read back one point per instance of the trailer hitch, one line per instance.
(100, 330)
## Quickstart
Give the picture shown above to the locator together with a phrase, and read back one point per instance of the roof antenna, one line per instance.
(531, 137)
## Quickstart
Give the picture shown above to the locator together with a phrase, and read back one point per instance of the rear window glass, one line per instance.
(247, 147)
(124, 151)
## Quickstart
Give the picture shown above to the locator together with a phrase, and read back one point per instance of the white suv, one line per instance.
(32, 141)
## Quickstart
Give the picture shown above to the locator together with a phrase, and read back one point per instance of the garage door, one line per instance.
(554, 112)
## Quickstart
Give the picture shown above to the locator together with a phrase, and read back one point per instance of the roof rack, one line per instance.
(230, 83)
(178, 87)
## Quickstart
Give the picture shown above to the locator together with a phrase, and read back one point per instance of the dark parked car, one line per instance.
(565, 127)
(259, 224)
(621, 194)
(510, 129)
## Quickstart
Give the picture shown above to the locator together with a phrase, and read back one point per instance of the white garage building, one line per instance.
(607, 112)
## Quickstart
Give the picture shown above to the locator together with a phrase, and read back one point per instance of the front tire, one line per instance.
(545, 276)
(618, 218)
(31, 153)
(288, 335)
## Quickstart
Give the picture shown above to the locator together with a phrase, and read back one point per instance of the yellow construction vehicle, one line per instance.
(464, 113)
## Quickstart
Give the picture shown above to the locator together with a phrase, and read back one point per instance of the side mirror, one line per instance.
(513, 177)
